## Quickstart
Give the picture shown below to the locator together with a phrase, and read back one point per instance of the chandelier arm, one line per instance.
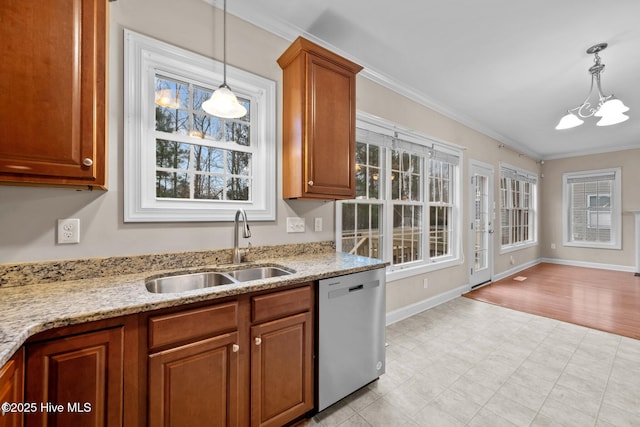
(603, 98)
(585, 110)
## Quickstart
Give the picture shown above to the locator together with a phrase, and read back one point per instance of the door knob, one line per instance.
(87, 162)
(235, 348)
(258, 340)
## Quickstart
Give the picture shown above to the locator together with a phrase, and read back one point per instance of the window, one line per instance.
(182, 164)
(407, 199)
(517, 208)
(591, 206)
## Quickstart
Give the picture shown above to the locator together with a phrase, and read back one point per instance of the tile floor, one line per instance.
(469, 363)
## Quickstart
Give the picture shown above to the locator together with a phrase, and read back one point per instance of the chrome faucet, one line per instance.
(246, 233)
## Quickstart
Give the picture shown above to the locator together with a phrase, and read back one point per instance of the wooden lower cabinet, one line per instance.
(195, 384)
(11, 389)
(78, 378)
(281, 370)
(248, 361)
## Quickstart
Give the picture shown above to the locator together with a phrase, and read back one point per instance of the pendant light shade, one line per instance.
(611, 107)
(612, 119)
(569, 121)
(223, 102)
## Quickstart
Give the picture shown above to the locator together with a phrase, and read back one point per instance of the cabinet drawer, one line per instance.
(190, 324)
(279, 304)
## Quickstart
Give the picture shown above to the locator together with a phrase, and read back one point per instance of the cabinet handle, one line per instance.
(235, 348)
(258, 340)
(87, 162)
(310, 183)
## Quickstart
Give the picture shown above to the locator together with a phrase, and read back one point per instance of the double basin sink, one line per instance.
(181, 282)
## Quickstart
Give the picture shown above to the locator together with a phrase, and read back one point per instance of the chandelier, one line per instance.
(607, 107)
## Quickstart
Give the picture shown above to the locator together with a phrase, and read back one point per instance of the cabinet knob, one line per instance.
(235, 348)
(258, 340)
(87, 162)
(310, 183)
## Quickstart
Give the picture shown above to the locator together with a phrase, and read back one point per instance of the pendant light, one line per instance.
(608, 108)
(223, 102)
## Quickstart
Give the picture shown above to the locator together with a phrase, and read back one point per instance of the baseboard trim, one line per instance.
(600, 266)
(420, 306)
(516, 269)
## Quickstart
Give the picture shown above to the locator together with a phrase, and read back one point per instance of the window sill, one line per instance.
(403, 273)
(589, 245)
(513, 248)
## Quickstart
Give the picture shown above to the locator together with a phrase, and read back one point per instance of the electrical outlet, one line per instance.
(68, 231)
(318, 224)
(553, 246)
(295, 225)
(425, 283)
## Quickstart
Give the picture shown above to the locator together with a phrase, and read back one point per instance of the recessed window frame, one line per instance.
(615, 195)
(516, 180)
(145, 58)
(429, 148)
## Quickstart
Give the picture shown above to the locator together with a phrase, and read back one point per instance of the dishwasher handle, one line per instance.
(340, 292)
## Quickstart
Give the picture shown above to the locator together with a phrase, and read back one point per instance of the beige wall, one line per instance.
(28, 215)
(628, 160)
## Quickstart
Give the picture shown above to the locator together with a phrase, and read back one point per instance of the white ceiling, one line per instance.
(509, 69)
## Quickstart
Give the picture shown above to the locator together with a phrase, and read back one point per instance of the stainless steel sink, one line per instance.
(257, 273)
(187, 282)
(182, 282)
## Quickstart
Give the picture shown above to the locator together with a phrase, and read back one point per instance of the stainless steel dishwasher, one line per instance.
(351, 336)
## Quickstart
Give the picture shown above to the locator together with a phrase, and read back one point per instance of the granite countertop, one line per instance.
(30, 309)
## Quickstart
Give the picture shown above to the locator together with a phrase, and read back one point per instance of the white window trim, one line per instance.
(616, 211)
(505, 249)
(397, 272)
(144, 57)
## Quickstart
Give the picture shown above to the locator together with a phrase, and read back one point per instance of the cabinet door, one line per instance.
(195, 384)
(330, 151)
(11, 381)
(281, 370)
(52, 78)
(80, 376)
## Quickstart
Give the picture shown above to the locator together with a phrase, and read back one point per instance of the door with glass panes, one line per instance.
(481, 224)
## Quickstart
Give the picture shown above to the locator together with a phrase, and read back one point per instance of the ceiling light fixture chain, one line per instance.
(607, 107)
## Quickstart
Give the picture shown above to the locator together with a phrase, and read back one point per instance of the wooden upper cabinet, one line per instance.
(319, 90)
(52, 81)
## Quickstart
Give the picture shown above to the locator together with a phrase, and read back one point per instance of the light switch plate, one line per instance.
(295, 225)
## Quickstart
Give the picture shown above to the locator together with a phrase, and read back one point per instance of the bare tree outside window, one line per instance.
(208, 161)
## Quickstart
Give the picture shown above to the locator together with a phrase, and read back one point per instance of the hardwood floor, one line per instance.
(599, 299)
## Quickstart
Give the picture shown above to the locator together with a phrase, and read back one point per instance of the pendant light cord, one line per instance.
(224, 44)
